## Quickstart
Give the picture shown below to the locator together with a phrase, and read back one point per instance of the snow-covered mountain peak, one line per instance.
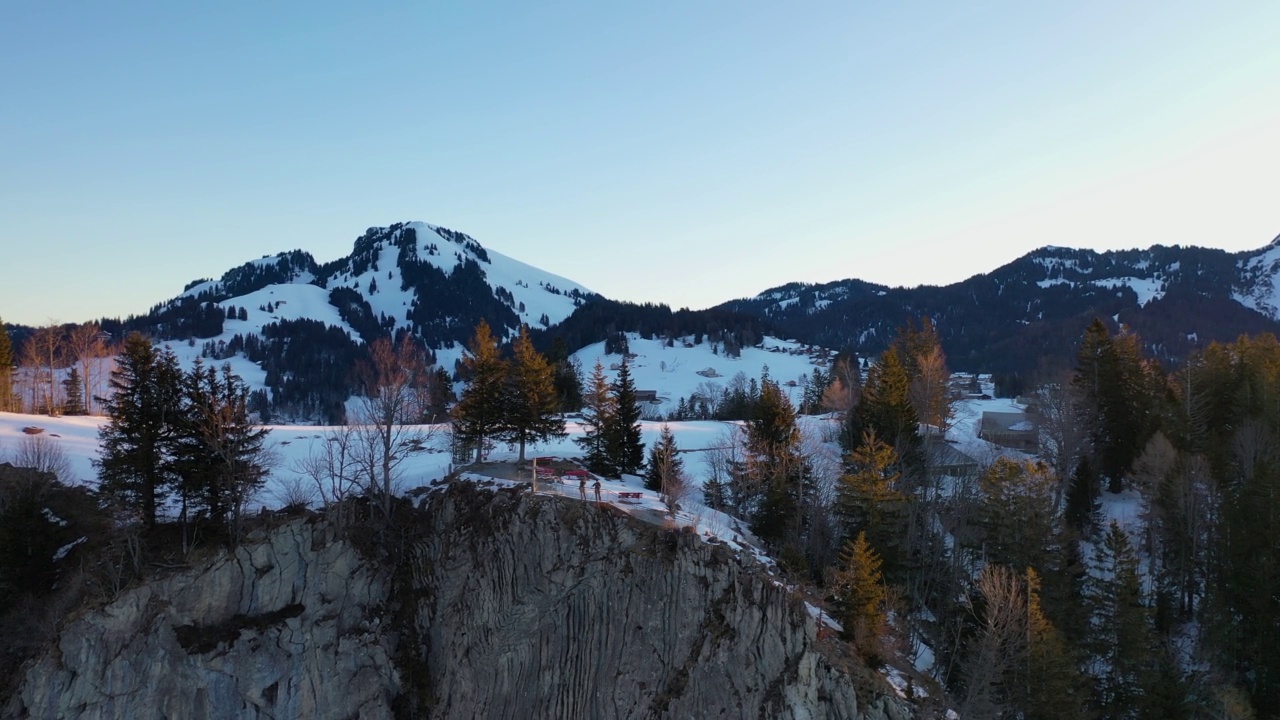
(1259, 279)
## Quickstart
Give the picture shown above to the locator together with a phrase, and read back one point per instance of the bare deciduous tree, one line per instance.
(1001, 642)
(383, 434)
(1063, 432)
(930, 392)
(845, 389)
(44, 350)
(86, 346)
(43, 454)
(334, 470)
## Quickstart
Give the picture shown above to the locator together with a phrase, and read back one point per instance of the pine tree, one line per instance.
(567, 375)
(135, 465)
(926, 366)
(663, 462)
(773, 469)
(871, 501)
(478, 416)
(1116, 391)
(532, 405)
(598, 409)
(218, 451)
(1016, 514)
(1082, 496)
(885, 408)
(1054, 688)
(622, 439)
(73, 393)
(1122, 641)
(857, 588)
(7, 398)
(714, 494)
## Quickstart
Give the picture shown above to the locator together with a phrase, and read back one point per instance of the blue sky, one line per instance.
(680, 152)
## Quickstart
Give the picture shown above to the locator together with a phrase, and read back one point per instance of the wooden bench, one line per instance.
(629, 495)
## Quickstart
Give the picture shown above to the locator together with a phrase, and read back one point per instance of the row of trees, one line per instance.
(179, 436)
(611, 440)
(513, 401)
(55, 370)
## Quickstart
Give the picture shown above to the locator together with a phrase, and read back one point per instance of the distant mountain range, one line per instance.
(1029, 314)
(298, 324)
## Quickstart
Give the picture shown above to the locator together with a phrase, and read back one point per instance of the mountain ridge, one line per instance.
(1175, 297)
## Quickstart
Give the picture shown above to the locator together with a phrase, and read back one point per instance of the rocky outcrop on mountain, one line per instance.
(503, 605)
(530, 608)
(286, 626)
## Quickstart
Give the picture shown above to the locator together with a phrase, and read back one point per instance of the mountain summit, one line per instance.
(423, 278)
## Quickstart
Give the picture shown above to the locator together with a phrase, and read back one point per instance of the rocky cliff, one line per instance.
(502, 605)
(287, 626)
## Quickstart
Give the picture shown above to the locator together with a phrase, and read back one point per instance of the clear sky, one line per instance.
(682, 152)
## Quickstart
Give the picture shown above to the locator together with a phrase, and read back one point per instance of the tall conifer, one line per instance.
(135, 463)
(532, 404)
(664, 462)
(622, 437)
(598, 408)
(6, 370)
(478, 416)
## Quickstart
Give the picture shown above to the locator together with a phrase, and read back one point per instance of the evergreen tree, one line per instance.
(135, 465)
(1116, 391)
(714, 494)
(1123, 643)
(598, 409)
(815, 385)
(773, 470)
(1016, 514)
(218, 450)
(623, 443)
(7, 397)
(1054, 688)
(73, 393)
(857, 588)
(885, 409)
(532, 405)
(663, 463)
(871, 501)
(439, 396)
(478, 416)
(926, 365)
(567, 375)
(1082, 496)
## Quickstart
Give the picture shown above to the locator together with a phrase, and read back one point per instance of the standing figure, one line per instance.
(597, 488)
(582, 487)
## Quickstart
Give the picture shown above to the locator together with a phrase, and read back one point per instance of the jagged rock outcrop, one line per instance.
(287, 626)
(502, 605)
(530, 607)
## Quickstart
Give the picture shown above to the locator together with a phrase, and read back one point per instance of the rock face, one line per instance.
(528, 607)
(504, 605)
(285, 627)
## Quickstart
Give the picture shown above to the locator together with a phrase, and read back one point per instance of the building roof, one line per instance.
(1005, 422)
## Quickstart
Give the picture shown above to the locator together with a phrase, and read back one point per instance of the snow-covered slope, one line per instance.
(400, 272)
(1259, 285)
(1014, 317)
(377, 270)
(684, 368)
(430, 281)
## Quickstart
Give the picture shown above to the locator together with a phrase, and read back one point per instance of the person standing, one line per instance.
(597, 489)
(582, 487)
